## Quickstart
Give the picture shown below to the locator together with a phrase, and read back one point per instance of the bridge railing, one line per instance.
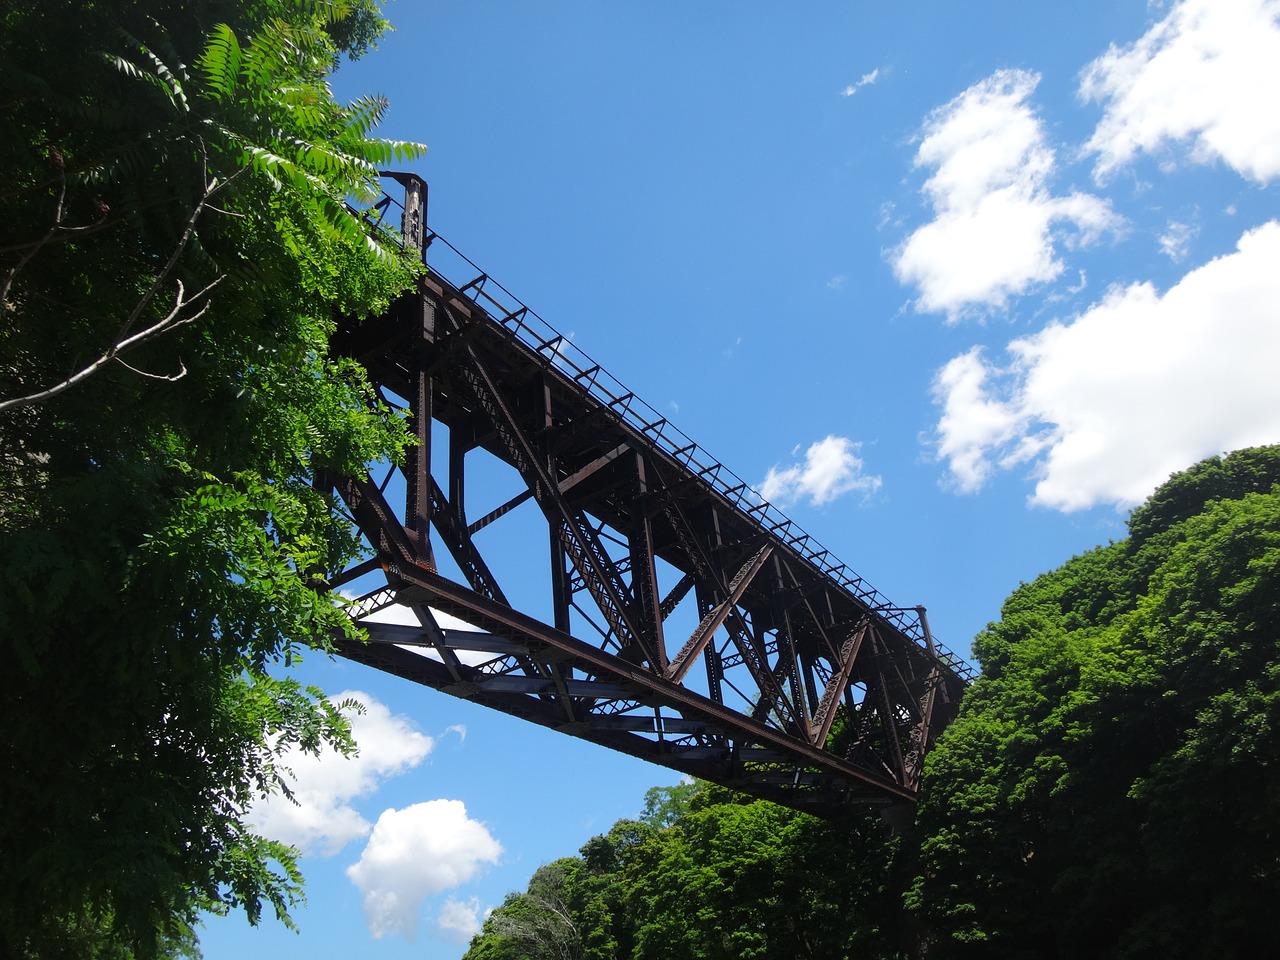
(559, 350)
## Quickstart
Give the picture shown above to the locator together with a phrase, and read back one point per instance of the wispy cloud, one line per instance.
(416, 852)
(1175, 242)
(1105, 406)
(460, 920)
(996, 224)
(830, 469)
(864, 81)
(1204, 76)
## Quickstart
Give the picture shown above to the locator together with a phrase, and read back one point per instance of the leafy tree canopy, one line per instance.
(1111, 785)
(174, 246)
(705, 874)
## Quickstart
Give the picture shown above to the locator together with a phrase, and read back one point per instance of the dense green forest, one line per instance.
(1110, 788)
(174, 247)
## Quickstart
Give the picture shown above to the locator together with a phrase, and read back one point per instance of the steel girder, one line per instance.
(812, 692)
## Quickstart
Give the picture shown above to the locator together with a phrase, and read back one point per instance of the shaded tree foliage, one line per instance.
(96, 937)
(174, 245)
(1111, 785)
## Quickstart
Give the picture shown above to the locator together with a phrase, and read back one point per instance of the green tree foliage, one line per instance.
(665, 806)
(174, 247)
(539, 923)
(703, 874)
(1111, 785)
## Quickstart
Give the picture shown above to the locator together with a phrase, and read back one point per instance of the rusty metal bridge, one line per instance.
(682, 619)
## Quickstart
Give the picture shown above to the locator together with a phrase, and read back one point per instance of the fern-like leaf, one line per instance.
(221, 61)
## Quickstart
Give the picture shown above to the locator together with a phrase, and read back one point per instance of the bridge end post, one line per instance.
(413, 222)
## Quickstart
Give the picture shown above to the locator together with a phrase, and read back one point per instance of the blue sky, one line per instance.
(956, 285)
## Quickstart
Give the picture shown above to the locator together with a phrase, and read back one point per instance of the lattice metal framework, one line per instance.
(683, 620)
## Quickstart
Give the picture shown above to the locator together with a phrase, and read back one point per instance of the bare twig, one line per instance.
(168, 377)
(69, 233)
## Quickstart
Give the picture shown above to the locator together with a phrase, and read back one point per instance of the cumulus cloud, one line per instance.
(831, 468)
(459, 920)
(416, 852)
(1204, 76)
(323, 820)
(1105, 406)
(997, 224)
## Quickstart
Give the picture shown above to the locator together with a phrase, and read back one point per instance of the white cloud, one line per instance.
(1175, 242)
(996, 224)
(1206, 76)
(831, 468)
(973, 421)
(864, 81)
(461, 921)
(1107, 405)
(413, 853)
(323, 820)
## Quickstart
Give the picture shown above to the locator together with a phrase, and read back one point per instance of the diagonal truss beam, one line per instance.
(825, 715)
(714, 618)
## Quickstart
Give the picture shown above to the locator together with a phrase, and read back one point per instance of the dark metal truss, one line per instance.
(684, 620)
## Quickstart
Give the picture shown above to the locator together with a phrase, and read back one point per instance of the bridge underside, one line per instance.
(620, 586)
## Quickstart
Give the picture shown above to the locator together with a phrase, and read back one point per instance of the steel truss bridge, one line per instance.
(682, 618)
